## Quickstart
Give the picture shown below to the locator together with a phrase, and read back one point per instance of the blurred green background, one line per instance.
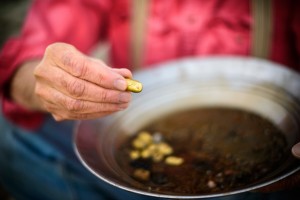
(12, 14)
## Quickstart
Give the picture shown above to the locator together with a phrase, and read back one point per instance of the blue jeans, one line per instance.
(42, 165)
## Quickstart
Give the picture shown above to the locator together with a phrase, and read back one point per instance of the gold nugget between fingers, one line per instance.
(134, 86)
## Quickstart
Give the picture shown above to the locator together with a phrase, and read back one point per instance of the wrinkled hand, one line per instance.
(71, 85)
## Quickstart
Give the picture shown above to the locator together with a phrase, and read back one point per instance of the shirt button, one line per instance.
(239, 40)
(191, 19)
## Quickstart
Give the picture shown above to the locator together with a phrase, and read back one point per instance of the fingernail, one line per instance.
(296, 150)
(125, 97)
(120, 84)
(123, 106)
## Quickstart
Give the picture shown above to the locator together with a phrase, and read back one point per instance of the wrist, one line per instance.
(22, 87)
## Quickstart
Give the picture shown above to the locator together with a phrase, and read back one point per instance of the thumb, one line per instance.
(296, 150)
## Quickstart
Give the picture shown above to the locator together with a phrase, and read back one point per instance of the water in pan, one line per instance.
(219, 150)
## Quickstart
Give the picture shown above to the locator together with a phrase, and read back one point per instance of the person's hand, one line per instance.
(71, 85)
(296, 150)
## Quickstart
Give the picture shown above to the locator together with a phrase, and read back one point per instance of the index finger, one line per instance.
(78, 65)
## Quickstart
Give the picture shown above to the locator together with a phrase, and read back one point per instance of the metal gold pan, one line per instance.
(265, 88)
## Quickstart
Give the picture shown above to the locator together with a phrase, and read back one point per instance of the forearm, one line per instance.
(22, 87)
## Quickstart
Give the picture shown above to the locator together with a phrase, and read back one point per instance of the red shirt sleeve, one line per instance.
(80, 23)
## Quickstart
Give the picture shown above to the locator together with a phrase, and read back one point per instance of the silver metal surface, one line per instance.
(263, 87)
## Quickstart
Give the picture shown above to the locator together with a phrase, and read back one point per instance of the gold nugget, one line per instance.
(134, 154)
(134, 86)
(174, 160)
(141, 174)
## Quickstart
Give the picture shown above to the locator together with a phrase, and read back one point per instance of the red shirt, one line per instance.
(174, 29)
